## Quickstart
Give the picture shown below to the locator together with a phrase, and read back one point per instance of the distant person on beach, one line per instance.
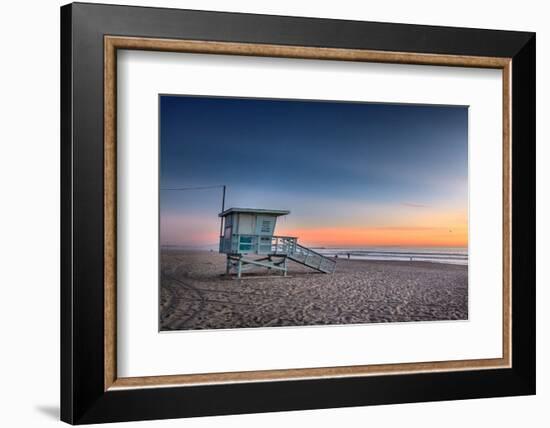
(348, 256)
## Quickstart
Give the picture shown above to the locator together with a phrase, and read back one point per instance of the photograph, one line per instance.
(286, 213)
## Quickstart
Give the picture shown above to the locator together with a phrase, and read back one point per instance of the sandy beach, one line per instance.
(195, 293)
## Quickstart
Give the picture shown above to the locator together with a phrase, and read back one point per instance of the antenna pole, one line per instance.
(223, 209)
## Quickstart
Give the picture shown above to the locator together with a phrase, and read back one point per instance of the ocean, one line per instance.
(449, 255)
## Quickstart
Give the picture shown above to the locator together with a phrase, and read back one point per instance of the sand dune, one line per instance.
(195, 294)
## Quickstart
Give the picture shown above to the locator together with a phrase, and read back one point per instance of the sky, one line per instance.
(351, 174)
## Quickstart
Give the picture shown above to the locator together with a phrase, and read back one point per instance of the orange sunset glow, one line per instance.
(436, 230)
(383, 236)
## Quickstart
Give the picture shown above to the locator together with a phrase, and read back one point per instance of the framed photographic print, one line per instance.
(265, 213)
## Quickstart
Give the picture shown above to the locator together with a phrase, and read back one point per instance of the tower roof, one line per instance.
(254, 211)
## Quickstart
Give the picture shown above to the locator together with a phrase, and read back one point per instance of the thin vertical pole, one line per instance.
(223, 209)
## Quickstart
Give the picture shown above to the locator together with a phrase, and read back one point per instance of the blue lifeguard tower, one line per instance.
(248, 240)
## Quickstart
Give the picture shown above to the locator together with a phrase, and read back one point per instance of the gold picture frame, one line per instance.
(114, 43)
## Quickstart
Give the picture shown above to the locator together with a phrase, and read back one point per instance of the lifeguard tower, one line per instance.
(248, 240)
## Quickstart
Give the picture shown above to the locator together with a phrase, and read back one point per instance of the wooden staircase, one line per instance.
(311, 259)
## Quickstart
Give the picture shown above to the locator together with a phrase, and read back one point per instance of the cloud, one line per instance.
(413, 205)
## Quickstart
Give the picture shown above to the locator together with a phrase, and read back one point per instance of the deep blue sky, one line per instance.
(333, 164)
